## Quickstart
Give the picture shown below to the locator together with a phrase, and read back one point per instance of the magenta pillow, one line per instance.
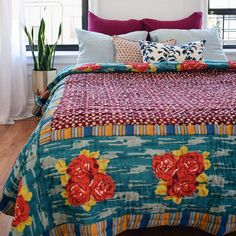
(192, 22)
(112, 27)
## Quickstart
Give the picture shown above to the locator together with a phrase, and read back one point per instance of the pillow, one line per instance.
(99, 48)
(192, 22)
(213, 49)
(112, 27)
(127, 51)
(157, 52)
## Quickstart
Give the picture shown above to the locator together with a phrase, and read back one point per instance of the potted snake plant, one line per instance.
(44, 71)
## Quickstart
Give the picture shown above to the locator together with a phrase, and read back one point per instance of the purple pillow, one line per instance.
(192, 22)
(112, 27)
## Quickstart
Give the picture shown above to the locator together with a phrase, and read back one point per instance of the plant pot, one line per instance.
(40, 80)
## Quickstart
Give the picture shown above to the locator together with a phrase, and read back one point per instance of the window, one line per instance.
(222, 15)
(71, 13)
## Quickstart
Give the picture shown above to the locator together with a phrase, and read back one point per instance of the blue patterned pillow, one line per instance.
(157, 52)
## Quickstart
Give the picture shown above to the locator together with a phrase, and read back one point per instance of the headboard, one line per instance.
(157, 9)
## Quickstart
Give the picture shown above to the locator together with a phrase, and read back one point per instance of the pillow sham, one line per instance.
(98, 48)
(213, 49)
(128, 51)
(157, 52)
(194, 21)
(112, 27)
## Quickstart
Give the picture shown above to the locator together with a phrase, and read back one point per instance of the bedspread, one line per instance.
(129, 146)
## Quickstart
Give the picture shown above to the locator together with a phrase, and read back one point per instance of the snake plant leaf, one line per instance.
(41, 45)
(55, 44)
(59, 31)
(31, 44)
(32, 34)
(46, 53)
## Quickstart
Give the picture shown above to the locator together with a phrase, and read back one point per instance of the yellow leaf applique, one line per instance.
(129, 66)
(28, 222)
(202, 178)
(20, 227)
(183, 150)
(67, 203)
(87, 153)
(178, 67)
(161, 188)
(88, 205)
(94, 154)
(207, 164)
(203, 191)
(152, 68)
(206, 154)
(61, 166)
(25, 193)
(64, 194)
(102, 165)
(64, 179)
(176, 200)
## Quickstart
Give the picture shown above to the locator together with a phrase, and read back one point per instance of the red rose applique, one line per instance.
(192, 163)
(164, 166)
(85, 180)
(140, 67)
(22, 209)
(103, 187)
(192, 65)
(88, 67)
(78, 193)
(82, 169)
(181, 174)
(232, 64)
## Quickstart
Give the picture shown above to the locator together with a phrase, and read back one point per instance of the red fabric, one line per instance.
(112, 27)
(140, 98)
(192, 22)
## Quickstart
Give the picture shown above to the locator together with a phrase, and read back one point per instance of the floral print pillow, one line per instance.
(157, 52)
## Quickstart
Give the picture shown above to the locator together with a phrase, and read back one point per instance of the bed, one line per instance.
(125, 146)
(103, 159)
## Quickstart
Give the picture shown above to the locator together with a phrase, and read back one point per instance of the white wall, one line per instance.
(157, 9)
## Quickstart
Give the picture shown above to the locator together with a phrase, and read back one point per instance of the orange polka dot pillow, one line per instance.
(128, 51)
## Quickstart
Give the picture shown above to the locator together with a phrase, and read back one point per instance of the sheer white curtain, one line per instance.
(13, 78)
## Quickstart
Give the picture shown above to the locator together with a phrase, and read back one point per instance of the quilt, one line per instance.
(129, 146)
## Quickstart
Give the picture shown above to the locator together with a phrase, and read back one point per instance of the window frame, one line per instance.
(223, 12)
(73, 47)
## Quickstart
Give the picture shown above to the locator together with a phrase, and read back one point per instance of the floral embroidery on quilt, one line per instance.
(232, 64)
(21, 216)
(88, 67)
(181, 174)
(85, 180)
(192, 65)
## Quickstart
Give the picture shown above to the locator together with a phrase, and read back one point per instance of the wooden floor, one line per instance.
(13, 138)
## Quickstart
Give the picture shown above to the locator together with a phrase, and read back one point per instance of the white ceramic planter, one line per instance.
(40, 80)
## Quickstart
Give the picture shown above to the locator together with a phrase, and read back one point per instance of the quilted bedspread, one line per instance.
(126, 147)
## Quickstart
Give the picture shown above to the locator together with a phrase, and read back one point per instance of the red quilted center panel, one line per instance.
(140, 98)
